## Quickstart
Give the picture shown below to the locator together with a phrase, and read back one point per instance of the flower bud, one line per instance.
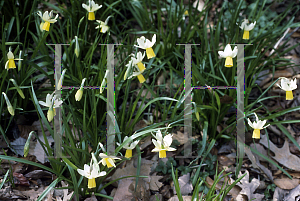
(50, 114)
(26, 146)
(9, 106)
(78, 95)
(11, 110)
(76, 47)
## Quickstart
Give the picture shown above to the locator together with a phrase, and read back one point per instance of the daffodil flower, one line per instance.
(91, 172)
(257, 126)
(228, 54)
(10, 62)
(138, 61)
(247, 28)
(137, 73)
(79, 93)
(186, 13)
(9, 106)
(146, 44)
(76, 47)
(129, 147)
(91, 8)
(103, 25)
(60, 81)
(108, 161)
(47, 18)
(103, 83)
(162, 144)
(18, 88)
(51, 103)
(288, 85)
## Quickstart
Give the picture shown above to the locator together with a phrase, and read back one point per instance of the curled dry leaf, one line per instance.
(20, 179)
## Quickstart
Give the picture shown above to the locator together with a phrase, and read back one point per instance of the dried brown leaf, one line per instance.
(248, 188)
(286, 183)
(282, 155)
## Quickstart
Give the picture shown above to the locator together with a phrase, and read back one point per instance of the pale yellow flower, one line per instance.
(10, 63)
(129, 147)
(146, 44)
(288, 85)
(257, 126)
(91, 8)
(103, 25)
(51, 103)
(138, 61)
(91, 172)
(162, 144)
(137, 72)
(47, 19)
(108, 160)
(247, 28)
(228, 54)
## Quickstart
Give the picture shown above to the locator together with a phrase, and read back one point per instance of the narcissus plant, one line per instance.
(129, 147)
(91, 8)
(103, 25)
(146, 44)
(138, 61)
(52, 103)
(10, 63)
(136, 72)
(47, 19)
(247, 28)
(257, 126)
(228, 54)
(91, 172)
(162, 144)
(288, 86)
(108, 161)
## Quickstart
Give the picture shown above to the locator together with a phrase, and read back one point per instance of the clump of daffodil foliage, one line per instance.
(84, 58)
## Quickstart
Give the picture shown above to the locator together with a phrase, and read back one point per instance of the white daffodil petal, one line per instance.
(250, 123)
(168, 140)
